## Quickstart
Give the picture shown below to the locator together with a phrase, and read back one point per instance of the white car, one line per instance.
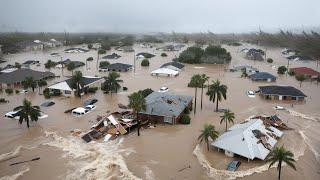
(24, 91)
(251, 94)
(279, 108)
(163, 89)
(80, 111)
(15, 115)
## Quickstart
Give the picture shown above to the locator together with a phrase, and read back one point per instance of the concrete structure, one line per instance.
(165, 72)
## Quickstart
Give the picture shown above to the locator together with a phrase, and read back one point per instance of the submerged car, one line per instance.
(279, 108)
(163, 89)
(233, 166)
(80, 111)
(16, 115)
(251, 94)
(90, 102)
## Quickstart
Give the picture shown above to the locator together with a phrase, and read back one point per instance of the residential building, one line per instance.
(165, 107)
(165, 72)
(262, 76)
(173, 65)
(288, 93)
(308, 72)
(250, 139)
(118, 67)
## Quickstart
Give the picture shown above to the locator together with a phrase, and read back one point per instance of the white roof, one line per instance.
(165, 71)
(61, 86)
(79, 110)
(239, 139)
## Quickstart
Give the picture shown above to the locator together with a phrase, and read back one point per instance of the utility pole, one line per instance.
(98, 59)
(134, 61)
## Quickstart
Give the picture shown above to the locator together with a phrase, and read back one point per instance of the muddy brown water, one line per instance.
(165, 152)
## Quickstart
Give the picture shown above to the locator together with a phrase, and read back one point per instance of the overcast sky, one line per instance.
(134, 16)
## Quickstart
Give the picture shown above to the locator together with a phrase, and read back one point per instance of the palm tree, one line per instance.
(29, 82)
(27, 111)
(228, 117)
(216, 92)
(300, 78)
(137, 103)
(50, 64)
(204, 79)
(112, 82)
(244, 73)
(280, 154)
(76, 80)
(41, 83)
(195, 82)
(208, 131)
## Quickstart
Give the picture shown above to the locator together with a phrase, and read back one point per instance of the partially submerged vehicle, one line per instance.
(16, 115)
(163, 89)
(233, 166)
(47, 104)
(279, 108)
(80, 111)
(90, 102)
(251, 94)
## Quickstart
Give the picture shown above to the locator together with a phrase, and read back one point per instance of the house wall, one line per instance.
(282, 98)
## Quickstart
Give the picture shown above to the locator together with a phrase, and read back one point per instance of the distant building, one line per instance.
(249, 69)
(165, 107)
(66, 87)
(262, 76)
(118, 67)
(30, 45)
(15, 78)
(165, 72)
(308, 72)
(52, 43)
(173, 65)
(288, 93)
(250, 139)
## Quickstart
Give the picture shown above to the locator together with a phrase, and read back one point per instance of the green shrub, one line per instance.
(282, 70)
(102, 51)
(3, 100)
(90, 46)
(185, 119)
(46, 93)
(92, 89)
(90, 59)
(270, 60)
(291, 73)
(9, 91)
(124, 88)
(17, 91)
(104, 63)
(164, 55)
(145, 62)
(145, 92)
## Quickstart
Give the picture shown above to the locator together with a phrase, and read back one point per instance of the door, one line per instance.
(167, 120)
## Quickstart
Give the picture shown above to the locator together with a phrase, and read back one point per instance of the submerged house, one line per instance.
(165, 72)
(262, 76)
(118, 67)
(281, 93)
(66, 87)
(250, 139)
(249, 69)
(112, 56)
(30, 45)
(15, 77)
(173, 65)
(254, 54)
(165, 107)
(308, 72)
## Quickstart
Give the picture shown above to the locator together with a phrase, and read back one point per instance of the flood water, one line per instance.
(166, 151)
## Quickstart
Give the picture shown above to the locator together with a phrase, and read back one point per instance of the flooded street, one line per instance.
(165, 152)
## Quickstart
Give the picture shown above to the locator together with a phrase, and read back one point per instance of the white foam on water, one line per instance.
(14, 153)
(15, 176)
(308, 142)
(198, 67)
(148, 173)
(224, 174)
(92, 160)
(304, 116)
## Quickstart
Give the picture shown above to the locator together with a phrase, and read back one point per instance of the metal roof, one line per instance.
(20, 75)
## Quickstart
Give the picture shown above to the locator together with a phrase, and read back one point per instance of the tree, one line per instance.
(104, 63)
(282, 70)
(208, 131)
(164, 55)
(300, 78)
(227, 117)
(244, 73)
(29, 82)
(71, 66)
(101, 51)
(90, 59)
(204, 79)
(17, 65)
(76, 81)
(90, 46)
(42, 83)
(217, 91)
(112, 82)
(50, 64)
(280, 155)
(318, 80)
(27, 112)
(195, 82)
(270, 60)
(145, 62)
(137, 103)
